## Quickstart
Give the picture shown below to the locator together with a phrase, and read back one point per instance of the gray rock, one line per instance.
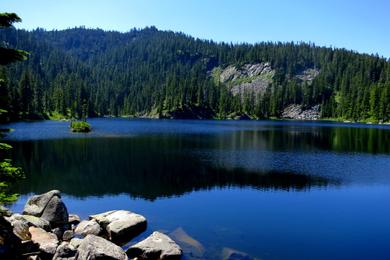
(49, 207)
(87, 227)
(75, 242)
(94, 247)
(30, 221)
(68, 235)
(249, 78)
(298, 113)
(20, 228)
(121, 225)
(56, 212)
(73, 219)
(5, 211)
(156, 246)
(37, 222)
(47, 242)
(58, 232)
(10, 243)
(65, 251)
(308, 75)
(37, 203)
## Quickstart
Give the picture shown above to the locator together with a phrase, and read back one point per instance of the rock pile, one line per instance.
(45, 230)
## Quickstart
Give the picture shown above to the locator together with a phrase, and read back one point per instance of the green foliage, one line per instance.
(83, 73)
(8, 172)
(80, 127)
(7, 19)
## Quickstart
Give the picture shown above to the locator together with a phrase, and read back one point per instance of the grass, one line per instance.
(80, 127)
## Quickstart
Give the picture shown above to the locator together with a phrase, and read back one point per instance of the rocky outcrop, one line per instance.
(156, 246)
(249, 78)
(296, 112)
(308, 75)
(94, 247)
(121, 225)
(49, 207)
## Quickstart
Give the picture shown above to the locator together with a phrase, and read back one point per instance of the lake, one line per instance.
(271, 189)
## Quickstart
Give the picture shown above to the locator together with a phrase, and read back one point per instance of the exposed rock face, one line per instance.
(48, 206)
(249, 78)
(47, 242)
(94, 247)
(121, 225)
(232, 73)
(308, 75)
(87, 227)
(296, 112)
(156, 246)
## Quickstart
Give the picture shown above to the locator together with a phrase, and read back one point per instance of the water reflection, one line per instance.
(151, 159)
(146, 167)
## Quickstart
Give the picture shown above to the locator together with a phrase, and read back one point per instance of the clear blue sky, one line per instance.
(361, 25)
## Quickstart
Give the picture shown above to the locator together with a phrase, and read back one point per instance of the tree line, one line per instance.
(90, 72)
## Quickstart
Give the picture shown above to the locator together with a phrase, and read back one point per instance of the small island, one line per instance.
(80, 127)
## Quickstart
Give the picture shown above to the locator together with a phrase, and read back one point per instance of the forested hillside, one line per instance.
(79, 72)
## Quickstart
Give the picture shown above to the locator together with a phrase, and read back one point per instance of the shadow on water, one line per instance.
(145, 167)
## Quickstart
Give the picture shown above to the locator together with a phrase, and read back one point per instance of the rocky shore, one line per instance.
(45, 230)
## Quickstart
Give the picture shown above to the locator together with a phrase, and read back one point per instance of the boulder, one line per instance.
(47, 242)
(10, 244)
(75, 242)
(30, 221)
(49, 207)
(56, 212)
(20, 228)
(87, 227)
(5, 211)
(59, 232)
(68, 235)
(37, 203)
(37, 222)
(156, 246)
(65, 251)
(73, 219)
(121, 225)
(94, 247)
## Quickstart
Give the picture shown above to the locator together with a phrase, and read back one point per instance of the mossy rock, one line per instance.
(80, 127)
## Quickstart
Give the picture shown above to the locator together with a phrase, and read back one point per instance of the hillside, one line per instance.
(152, 73)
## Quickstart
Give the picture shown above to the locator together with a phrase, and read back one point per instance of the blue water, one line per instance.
(271, 189)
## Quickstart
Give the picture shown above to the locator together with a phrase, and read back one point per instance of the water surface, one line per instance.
(271, 189)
